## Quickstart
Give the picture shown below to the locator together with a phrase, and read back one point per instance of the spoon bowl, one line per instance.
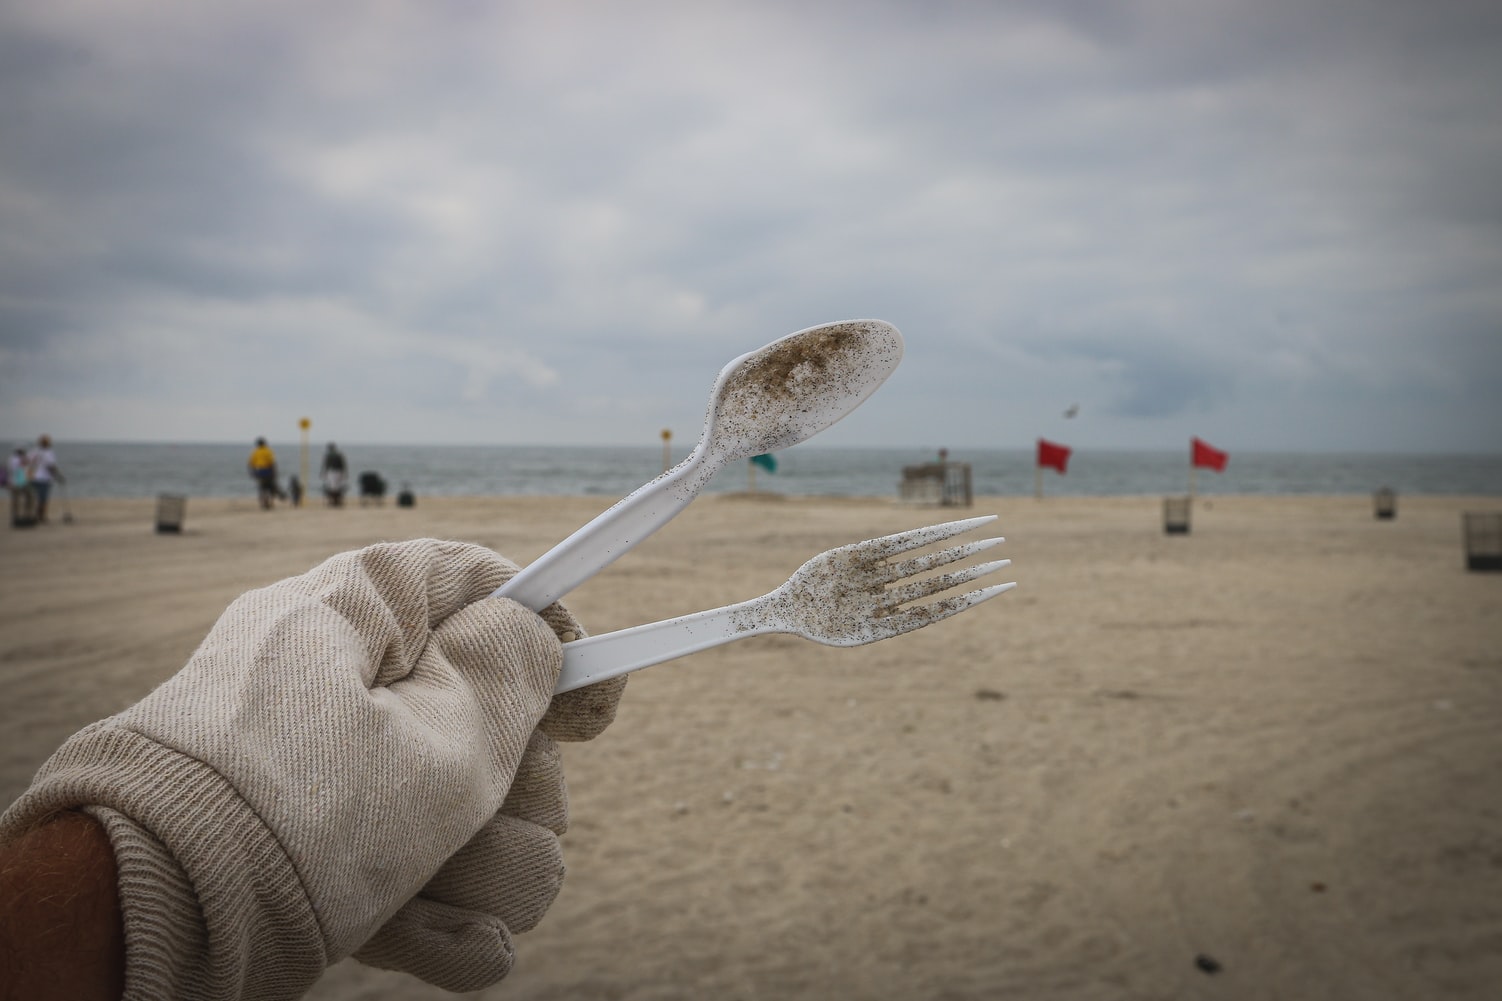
(790, 390)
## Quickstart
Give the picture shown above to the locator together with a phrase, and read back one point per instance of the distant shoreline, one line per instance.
(939, 511)
(146, 470)
(682, 444)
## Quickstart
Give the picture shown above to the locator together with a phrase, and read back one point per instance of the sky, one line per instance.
(1274, 224)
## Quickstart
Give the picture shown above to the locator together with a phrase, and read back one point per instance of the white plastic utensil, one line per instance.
(840, 598)
(763, 401)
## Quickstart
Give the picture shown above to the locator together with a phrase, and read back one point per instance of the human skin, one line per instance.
(61, 933)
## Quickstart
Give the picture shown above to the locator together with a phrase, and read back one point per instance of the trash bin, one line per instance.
(1385, 504)
(1175, 515)
(1483, 540)
(22, 508)
(169, 512)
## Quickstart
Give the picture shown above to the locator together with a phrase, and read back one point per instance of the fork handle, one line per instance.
(595, 658)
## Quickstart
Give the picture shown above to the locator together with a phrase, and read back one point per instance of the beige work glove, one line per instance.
(359, 760)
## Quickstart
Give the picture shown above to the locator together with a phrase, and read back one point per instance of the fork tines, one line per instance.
(910, 590)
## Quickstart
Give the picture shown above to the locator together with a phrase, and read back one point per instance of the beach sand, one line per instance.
(1276, 743)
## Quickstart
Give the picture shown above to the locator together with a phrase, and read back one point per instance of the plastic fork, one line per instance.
(844, 597)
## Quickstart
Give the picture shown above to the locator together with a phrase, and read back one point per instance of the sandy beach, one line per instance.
(1275, 743)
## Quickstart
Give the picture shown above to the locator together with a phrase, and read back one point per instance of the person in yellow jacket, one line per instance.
(262, 467)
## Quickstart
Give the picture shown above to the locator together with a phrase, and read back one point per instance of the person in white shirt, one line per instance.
(42, 470)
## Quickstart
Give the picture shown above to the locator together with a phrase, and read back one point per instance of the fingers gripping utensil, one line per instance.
(763, 401)
(844, 597)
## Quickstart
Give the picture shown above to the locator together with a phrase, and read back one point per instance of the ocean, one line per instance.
(102, 469)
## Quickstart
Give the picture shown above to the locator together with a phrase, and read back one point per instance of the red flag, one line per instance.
(1202, 453)
(1055, 456)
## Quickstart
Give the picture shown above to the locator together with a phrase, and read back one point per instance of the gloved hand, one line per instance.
(355, 759)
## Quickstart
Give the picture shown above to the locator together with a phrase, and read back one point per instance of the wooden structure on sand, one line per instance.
(943, 483)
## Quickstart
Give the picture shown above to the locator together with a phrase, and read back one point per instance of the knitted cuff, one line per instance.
(212, 906)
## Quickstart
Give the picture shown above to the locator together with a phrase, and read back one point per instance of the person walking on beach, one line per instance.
(335, 475)
(41, 470)
(359, 761)
(262, 467)
(18, 482)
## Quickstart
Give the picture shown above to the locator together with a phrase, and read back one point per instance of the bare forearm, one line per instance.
(61, 934)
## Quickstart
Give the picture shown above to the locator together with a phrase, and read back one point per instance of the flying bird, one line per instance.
(1074, 408)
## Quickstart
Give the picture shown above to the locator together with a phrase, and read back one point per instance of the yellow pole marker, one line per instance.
(305, 424)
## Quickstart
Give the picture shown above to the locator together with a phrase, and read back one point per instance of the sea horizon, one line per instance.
(126, 469)
(682, 444)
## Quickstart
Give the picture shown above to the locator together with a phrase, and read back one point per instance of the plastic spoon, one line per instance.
(763, 401)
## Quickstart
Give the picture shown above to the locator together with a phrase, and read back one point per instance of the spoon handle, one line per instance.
(609, 536)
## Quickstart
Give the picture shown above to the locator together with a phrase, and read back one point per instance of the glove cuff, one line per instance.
(212, 906)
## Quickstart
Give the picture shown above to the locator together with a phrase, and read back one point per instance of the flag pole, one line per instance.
(304, 425)
(1038, 482)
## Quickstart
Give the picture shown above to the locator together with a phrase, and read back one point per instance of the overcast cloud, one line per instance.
(1275, 224)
